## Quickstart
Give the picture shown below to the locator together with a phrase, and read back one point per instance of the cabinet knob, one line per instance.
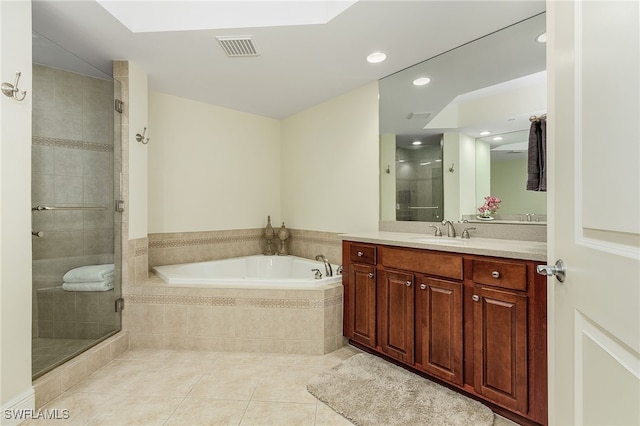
(475, 298)
(423, 286)
(370, 275)
(360, 254)
(408, 283)
(495, 274)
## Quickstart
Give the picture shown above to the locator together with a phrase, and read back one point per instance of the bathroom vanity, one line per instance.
(468, 313)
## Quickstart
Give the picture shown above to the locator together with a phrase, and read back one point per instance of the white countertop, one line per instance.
(514, 249)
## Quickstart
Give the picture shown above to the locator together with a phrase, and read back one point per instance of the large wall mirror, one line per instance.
(437, 160)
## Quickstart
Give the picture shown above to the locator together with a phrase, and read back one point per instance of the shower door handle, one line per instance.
(38, 234)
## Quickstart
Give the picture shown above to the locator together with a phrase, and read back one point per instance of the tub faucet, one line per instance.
(451, 231)
(327, 265)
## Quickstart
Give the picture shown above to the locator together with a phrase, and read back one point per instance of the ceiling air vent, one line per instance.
(418, 115)
(238, 46)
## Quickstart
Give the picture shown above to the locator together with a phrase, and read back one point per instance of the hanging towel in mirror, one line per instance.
(537, 156)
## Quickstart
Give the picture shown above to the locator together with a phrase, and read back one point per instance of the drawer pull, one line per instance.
(475, 298)
(360, 254)
(423, 286)
(408, 283)
(495, 274)
(370, 275)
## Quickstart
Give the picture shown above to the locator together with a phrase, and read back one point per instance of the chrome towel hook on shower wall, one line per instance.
(11, 90)
(141, 138)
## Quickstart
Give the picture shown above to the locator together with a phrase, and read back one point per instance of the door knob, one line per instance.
(559, 270)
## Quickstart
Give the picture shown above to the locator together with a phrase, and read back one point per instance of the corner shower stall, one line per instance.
(75, 180)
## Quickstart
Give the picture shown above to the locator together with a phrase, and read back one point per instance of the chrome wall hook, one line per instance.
(11, 90)
(141, 138)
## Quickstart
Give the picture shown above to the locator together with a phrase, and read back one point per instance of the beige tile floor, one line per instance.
(169, 387)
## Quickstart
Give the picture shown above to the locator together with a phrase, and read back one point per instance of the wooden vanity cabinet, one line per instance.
(396, 314)
(439, 328)
(476, 322)
(359, 279)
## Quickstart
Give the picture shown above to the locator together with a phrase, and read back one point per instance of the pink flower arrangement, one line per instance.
(491, 204)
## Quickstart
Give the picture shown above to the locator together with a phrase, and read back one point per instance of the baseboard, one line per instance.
(20, 408)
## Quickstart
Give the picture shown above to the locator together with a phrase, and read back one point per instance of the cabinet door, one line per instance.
(361, 313)
(396, 314)
(439, 328)
(500, 347)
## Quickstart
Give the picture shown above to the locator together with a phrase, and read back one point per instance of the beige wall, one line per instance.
(509, 182)
(15, 221)
(330, 152)
(138, 152)
(211, 168)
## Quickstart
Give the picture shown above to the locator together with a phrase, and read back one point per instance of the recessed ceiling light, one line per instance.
(421, 81)
(416, 143)
(424, 164)
(542, 38)
(376, 57)
(401, 161)
(438, 161)
(497, 138)
(485, 133)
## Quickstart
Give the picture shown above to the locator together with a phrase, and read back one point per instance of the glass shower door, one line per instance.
(76, 246)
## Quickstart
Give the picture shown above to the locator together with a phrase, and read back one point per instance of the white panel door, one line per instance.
(594, 211)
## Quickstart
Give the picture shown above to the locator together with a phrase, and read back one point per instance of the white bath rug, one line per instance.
(370, 391)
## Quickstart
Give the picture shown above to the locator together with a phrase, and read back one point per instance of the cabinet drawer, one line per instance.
(500, 274)
(361, 253)
(426, 262)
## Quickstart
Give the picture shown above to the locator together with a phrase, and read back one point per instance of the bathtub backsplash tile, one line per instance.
(187, 247)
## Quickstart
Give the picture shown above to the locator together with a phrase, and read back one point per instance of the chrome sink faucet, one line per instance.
(327, 265)
(451, 231)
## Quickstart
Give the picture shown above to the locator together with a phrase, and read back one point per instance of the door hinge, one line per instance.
(119, 106)
(119, 205)
(119, 305)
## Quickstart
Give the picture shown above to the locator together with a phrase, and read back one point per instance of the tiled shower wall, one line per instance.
(72, 164)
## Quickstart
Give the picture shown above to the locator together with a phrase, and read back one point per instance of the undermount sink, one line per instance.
(437, 240)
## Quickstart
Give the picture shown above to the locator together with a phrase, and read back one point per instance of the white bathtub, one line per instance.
(259, 271)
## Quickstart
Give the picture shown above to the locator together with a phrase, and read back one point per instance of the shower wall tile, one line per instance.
(97, 105)
(43, 79)
(68, 162)
(66, 220)
(68, 189)
(43, 121)
(98, 241)
(42, 159)
(42, 189)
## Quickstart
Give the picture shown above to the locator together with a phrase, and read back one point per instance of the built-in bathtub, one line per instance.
(251, 304)
(258, 271)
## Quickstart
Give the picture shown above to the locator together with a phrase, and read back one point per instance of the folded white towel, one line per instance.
(89, 273)
(89, 286)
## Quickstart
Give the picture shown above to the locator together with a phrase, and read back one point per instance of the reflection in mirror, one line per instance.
(493, 84)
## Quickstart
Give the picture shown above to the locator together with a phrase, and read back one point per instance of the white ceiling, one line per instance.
(299, 65)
